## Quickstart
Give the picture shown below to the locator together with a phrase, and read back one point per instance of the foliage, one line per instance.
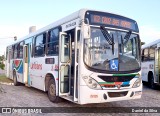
(2, 58)
(1, 62)
(142, 43)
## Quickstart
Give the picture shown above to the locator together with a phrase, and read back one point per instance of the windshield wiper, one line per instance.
(107, 36)
(127, 36)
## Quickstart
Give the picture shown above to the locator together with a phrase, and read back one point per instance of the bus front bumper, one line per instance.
(88, 95)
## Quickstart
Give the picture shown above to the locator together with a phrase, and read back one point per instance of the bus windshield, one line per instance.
(98, 52)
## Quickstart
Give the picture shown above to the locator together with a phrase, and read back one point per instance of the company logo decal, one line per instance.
(18, 65)
(36, 66)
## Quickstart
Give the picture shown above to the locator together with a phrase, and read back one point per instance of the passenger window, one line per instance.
(151, 53)
(145, 55)
(40, 42)
(20, 50)
(15, 51)
(53, 42)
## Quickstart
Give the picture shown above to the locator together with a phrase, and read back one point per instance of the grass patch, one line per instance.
(5, 79)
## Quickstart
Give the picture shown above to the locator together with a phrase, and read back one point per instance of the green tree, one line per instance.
(1, 62)
(142, 43)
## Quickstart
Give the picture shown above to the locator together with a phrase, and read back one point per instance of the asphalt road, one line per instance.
(21, 96)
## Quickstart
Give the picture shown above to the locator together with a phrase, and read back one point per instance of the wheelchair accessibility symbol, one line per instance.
(114, 65)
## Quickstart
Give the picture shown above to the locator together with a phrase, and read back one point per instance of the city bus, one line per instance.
(87, 57)
(151, 63)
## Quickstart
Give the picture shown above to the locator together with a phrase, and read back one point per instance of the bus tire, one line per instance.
(151, 82)
(15, 79)
(52, 92)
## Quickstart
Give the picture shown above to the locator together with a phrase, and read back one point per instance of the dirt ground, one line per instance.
(22, 96)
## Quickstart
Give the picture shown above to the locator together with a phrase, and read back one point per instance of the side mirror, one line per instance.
(86, 31)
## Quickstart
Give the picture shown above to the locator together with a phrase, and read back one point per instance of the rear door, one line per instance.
(25, 63)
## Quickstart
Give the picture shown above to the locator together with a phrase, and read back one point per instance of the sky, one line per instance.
(16, 16)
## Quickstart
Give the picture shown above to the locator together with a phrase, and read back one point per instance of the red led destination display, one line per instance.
(111, 20)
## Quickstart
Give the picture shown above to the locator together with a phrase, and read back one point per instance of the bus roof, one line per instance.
(78, 14)
(150, 44)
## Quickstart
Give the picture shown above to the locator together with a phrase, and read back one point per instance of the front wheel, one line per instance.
(151, 82)
(52, 92)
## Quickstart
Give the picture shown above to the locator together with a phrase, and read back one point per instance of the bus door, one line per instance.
(26, 60)
(157, 65)
(64, 64)
(75, 62)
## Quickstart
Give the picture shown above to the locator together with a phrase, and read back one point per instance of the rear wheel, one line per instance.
(52, 92)
(15, 79)
(151, 81)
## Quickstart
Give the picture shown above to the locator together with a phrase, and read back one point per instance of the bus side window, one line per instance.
(152, 53)
(17, 48)
(142, 55)
(15, 51)
(146, 58)
(40, 42)
(53, 42)
(20, 50)
(7, 53)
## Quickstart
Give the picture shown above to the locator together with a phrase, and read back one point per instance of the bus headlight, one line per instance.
(91, 83)
(137, 83)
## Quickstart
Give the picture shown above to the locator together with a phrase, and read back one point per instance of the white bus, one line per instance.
(151, 63)
(87, 57)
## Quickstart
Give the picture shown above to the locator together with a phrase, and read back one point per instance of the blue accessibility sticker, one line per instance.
(114, 65)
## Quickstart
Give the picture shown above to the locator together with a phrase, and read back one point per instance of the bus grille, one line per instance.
(113, 86)
(117, 94)
(116, 78)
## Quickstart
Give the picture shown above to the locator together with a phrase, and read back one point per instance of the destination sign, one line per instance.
(111, 20)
